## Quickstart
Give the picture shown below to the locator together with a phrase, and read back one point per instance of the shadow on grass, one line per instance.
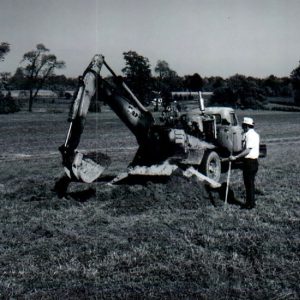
(61, 186)
(82, 196)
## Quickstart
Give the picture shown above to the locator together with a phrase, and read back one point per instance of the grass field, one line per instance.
(153, 241)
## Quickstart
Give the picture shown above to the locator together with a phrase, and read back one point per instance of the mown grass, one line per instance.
(151, 241)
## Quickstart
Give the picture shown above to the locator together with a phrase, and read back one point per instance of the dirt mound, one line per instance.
(178, 192)
(129, 198)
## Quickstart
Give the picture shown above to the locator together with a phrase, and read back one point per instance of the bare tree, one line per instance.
(39, 65)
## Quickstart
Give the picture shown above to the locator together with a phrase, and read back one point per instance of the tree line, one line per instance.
(37, 70)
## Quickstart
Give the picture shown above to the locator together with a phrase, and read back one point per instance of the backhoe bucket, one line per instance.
(85, 169)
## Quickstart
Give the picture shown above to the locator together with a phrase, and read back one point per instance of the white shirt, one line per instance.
(252, 142)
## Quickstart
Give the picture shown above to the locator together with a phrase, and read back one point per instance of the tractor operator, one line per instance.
(250, 154)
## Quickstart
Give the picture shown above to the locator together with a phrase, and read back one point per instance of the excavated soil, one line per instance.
(132, 196)
(176, 192)
(99, 157)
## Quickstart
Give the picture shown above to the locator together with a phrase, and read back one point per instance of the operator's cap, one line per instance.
(248, 121)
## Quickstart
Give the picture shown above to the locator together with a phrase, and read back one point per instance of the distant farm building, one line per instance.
(24, 94)
(47, 94)
(16, 94)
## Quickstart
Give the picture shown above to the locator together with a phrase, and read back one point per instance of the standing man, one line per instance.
(250, 154)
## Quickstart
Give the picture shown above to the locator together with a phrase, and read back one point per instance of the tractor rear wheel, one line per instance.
(211, 165)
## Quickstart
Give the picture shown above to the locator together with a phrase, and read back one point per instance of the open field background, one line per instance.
(156, 240)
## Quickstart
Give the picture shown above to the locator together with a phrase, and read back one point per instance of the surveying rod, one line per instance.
(229, 171)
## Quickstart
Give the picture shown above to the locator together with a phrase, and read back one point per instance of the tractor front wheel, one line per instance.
(211, 165)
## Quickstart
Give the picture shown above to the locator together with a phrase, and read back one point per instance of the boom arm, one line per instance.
(129, 109)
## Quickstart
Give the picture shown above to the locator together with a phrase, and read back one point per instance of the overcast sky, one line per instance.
(211, 37)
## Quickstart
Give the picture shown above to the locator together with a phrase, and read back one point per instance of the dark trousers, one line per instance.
(250, 169)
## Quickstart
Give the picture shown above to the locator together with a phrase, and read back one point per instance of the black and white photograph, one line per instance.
(149, 149)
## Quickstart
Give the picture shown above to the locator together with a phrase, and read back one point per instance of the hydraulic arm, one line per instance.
(121, 100)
